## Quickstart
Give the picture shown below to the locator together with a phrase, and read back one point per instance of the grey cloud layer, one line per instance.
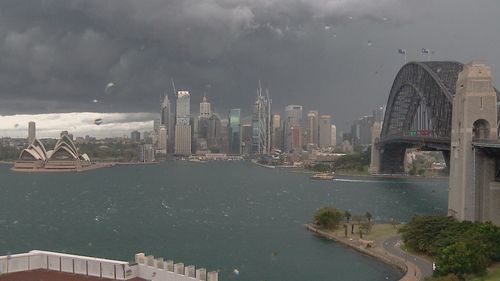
(58, 56)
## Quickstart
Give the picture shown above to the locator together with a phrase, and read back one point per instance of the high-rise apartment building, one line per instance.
(325, 131)
(234, 131)
(135, 136)
(312, 128)
(31, 132)
(293, 118)
(162, 139)
(182, 126)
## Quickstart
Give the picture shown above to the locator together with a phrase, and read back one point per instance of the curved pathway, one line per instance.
(415, 264)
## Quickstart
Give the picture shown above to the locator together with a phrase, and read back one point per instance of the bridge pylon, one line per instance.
(375, 151)
(472, 186)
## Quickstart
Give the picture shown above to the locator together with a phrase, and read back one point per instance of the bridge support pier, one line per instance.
(473, 193)
(375, 151)
(392, 159)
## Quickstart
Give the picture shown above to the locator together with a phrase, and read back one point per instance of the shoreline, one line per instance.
(410, 271)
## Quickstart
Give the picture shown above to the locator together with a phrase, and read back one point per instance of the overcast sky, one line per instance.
(337, 56)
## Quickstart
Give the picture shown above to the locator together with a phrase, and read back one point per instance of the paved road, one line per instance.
(392, 245)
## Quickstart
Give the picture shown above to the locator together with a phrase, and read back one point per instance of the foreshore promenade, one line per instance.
(386, 249)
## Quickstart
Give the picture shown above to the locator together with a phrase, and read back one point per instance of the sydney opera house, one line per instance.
(64, 157)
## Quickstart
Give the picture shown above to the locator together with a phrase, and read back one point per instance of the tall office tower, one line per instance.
(202, 125)
(325, 131)
(148, 137)
(31, 132)
(182, 126)
(214, 132)
(246, 139)
(156, 124)
(205, 109)
(224, 136)
(167, 119)
(261, 124)
(194, 122)
(276, 132)
(162, 139)
(334, 136)
(135, 136)
(293, 118)
(312, 128)
(296, 138)
(361, 130)
(234, 131)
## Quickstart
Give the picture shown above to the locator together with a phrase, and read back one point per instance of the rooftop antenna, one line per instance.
(173, 86)
(260, 89)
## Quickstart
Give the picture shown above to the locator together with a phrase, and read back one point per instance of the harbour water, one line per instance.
(221, 215)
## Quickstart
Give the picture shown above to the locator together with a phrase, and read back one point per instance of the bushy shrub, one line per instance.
(328, 217)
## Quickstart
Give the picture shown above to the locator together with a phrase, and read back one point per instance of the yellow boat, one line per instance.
(322, 176)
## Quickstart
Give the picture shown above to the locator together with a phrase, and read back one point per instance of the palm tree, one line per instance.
(368, 217)
(347, 216)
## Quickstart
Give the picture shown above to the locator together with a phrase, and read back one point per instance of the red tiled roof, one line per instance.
(50, 275)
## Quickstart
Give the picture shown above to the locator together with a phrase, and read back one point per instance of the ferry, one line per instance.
(322, 176)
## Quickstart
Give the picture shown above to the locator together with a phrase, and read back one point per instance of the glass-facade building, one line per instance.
(235, 131)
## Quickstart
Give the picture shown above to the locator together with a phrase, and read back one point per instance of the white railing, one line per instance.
(146, 267)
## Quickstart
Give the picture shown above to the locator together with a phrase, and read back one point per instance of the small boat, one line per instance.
(322, 176)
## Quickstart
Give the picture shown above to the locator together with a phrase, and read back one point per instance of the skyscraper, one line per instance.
(234, 128)
(325, 131)
(293, 118)
(312, 128)
(162, 139)
(214, 133)
(277, 132)
(246, 139)
(334, 136)
(201, 129)
(167, 119)
(261, 124)
(31, 131)
(182, 127)
(135, 136)
(205, 108)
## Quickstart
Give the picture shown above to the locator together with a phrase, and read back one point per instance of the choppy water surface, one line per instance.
(221, 215)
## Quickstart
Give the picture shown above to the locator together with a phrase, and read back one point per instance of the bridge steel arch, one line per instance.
(426, 87)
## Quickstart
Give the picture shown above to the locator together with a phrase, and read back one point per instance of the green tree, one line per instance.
(462, 258)
(449, 277)
(366, 227)
(328, 217)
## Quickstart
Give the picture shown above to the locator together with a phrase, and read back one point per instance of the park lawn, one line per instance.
(381, 229)
(492, 275)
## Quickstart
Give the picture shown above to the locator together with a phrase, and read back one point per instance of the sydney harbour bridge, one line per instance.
(418, 113)
(453, 108)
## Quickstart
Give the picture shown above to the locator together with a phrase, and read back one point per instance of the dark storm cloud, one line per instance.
(58, 56)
